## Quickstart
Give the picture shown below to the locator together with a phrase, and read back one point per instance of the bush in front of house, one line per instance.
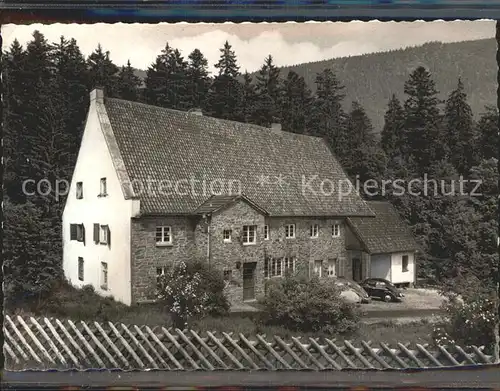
(314, 305)
(469, 314)
(190, 289)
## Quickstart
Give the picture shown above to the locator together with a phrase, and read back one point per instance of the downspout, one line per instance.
(207, 222)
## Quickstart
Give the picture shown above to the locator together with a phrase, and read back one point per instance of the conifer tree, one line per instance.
(327, 115)
(198, 78)
(248, 100)
(268, 91)
(488, 134)
(295, 104)
(393, 133)
(128, 83)
(225, 93)
(167, 80)
(423, 125)
(102, 71)
(460, 135)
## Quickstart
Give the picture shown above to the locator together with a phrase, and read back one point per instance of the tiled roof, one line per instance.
(216, 202)
(386, 233)
(196, 156)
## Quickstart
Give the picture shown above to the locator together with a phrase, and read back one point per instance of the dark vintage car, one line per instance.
(382, 289)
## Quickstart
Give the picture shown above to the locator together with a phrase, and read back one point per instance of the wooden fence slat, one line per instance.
(151, 348)
(112, 345)
(373, 353)
(323, 353)
(225, 350)
(427, 354)
(61, 342)
(86, 344)
(47, 338)
(209, 350)
(340, 353)
(71, 340)
(481, 355)
(287, 349)
(358, 355)
(10, 339)
(465, 355)
(275, 354)
(240, 350)
(99, 344)
(139, 345)
(251, 346)
(22, 339)
(35, 339)
(11, 353)
(410, 354)
(180, 348)
(392, 355)
(194, 349)
(301, 347)
(126, 345)
(448, 355)
(164, 349)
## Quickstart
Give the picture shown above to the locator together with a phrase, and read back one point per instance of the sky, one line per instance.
(289, 43)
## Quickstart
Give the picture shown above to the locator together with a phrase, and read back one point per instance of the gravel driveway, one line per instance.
(414, 299)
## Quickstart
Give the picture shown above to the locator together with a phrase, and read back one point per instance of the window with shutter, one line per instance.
(80, 232)
(103, 232)
(104, 275)
(72, 232)
(79, 190)
(80, 268)
(96, 233)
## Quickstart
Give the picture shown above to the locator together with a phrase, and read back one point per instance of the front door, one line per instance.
(356, 269)
(249, 280)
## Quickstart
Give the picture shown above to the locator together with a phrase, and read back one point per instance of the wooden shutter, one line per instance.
(72, 232)
(109, 236)
(83, 233)
(96, 233)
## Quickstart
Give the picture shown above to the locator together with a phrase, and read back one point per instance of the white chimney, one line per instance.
(276, 126)
(195, 111)
(97, 94)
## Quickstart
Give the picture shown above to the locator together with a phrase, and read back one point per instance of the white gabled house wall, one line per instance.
(95, 162)
(390, 267)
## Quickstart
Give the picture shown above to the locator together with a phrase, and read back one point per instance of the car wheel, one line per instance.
(387, 298)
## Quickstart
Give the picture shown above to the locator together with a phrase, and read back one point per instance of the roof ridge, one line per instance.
(215, 118)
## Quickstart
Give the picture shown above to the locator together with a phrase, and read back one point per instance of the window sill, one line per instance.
(102, 195)
(227, 241)
(292, 237)
(249, 244)
(103, 243)
(164, 244)
(314, 237)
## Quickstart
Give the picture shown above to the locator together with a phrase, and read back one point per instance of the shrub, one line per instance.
(469, 315)
(190, 289)
(305, 305)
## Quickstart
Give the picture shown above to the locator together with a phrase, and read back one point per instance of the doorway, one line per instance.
(356, 269)
(249, 280)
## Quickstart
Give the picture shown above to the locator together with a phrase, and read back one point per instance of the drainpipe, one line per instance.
(208, 239)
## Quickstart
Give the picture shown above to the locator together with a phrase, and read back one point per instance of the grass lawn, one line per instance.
(67, 302)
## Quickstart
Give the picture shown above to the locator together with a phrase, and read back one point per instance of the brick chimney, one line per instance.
(97, 94)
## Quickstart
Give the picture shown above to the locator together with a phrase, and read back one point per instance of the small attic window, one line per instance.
(104, 189)
(79, 190)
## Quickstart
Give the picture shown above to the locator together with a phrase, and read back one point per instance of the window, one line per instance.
(79, 190)
(104, 190)
(318, 268)
(290, 231)
(314, 232)
(103, 234)
(160, 271)
(77, 232)
(249, 236)
(276, 269)
(163, 235)
(332, 266)
(80, 268)
(289, 264)
(104, 275)
(227, 235)
(405, 263)
(336, 230)
(266, 232)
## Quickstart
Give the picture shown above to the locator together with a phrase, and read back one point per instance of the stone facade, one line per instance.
(202, 238)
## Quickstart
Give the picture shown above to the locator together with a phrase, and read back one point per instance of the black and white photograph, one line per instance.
(317, 195)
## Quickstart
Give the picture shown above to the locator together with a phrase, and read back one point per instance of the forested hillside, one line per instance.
(371, 79)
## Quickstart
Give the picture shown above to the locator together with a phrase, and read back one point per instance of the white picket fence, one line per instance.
(43, 343)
